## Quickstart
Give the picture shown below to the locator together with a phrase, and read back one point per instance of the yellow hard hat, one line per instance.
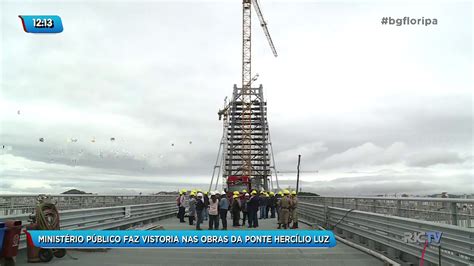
(192, 193)
(236, 193)
(183, 190)
(271, 193)
(262, 191)
(236, 196)
(206, 192)
(280, 193)
(254, 192)
(244, 191)
(293, 192)
(286, 192)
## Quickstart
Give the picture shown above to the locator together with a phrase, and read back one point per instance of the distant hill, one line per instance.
(75, 191)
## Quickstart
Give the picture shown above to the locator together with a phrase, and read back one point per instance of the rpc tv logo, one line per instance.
(422, 237)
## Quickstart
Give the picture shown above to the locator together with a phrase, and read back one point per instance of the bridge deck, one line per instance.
(339, 255)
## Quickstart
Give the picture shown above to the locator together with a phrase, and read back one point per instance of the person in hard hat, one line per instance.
(186, 203)
(277, 204)
(192, 208)
(178, 203)
(293, 209)
(284, 210)
(206, 202)
(262, 204)
(235, 193)
(213, 212)
(244, 204)
(223, 208)
(235, 211)
(230, 198)
(252, 209)
(272, 204)
(182, 208)
(200, 206)
(231, 201)
(268, 200)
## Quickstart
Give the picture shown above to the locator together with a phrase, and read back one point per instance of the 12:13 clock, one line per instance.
(43, 23)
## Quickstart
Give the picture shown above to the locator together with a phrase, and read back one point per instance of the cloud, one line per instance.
(433, 157)
(369, 154)
(306, 150)
(421, 183)
(55, 178)
(385, 102)
(366, 154)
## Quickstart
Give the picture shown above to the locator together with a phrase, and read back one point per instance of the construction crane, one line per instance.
(246, 144)
(247, 78)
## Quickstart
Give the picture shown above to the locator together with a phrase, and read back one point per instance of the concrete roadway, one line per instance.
(339, 255)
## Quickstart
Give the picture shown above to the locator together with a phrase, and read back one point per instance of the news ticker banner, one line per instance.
(41, 24)
(182, 239)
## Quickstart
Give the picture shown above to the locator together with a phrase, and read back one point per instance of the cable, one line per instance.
(340, 220)
(47, 216)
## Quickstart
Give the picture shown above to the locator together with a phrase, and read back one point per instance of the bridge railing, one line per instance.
(458, 212)
(386, 234)
(117, 217)
(21, 204)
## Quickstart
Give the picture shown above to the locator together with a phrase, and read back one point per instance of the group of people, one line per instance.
(242, 205)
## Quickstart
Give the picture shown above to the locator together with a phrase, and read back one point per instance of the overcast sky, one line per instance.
(375, 109)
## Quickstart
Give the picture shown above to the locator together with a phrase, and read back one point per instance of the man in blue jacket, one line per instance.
(200, 206)
(223, 208)
(252, 208)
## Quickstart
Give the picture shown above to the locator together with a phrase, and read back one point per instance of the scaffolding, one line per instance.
(234, 149)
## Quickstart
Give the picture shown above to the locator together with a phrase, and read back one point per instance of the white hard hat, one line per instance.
(213, 193)
(223, 192)
(217, 192)
(199, 194)
(247, 194)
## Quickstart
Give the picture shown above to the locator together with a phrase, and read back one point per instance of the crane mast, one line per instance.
(247, 78)
(246, 146)
(246, 88)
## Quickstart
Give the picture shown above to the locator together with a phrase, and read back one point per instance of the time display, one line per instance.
(43, 23)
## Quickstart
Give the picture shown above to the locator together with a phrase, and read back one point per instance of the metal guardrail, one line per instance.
(385, 233)
(458, 212)
(117, 217)
(21, 204)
